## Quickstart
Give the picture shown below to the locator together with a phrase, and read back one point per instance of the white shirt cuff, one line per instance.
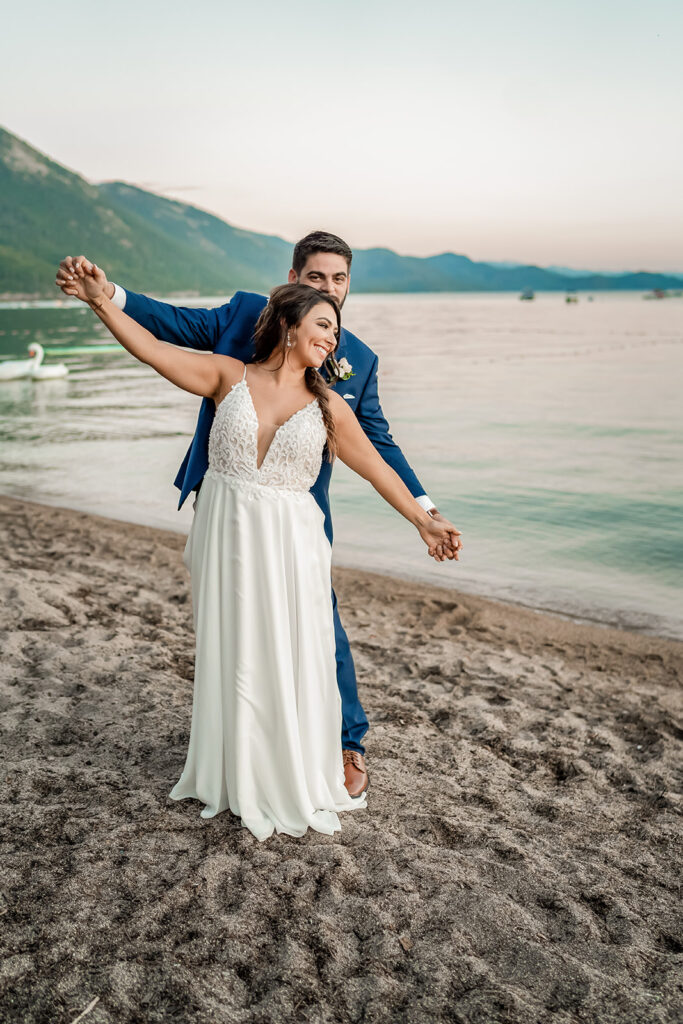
(425, 502)
(119, 297)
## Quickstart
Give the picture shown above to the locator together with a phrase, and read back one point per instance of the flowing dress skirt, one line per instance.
(265, 738)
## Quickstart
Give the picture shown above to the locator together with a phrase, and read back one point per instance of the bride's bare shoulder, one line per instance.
(231, 370)
(339, 408)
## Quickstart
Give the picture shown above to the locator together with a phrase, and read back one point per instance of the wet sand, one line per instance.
(518, 861)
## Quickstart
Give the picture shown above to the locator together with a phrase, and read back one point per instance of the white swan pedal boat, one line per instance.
(16, 369)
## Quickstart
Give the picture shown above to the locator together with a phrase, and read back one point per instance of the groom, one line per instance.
(322, 261)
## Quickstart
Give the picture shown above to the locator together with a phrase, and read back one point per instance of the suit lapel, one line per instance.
(339, 354)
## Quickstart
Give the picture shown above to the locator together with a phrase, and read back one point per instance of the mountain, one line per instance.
(573, 272)
(47, 211)
(242, 258)
(563, 271)
(159, 245)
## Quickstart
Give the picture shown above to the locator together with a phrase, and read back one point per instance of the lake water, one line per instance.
(550, 433)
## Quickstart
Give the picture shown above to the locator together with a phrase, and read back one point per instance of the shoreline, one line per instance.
(500, 619)
(609, 620)
(517, 859)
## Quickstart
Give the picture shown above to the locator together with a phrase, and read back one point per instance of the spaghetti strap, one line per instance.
(244, 375)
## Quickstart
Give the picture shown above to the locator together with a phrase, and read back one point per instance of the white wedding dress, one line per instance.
(265, 739)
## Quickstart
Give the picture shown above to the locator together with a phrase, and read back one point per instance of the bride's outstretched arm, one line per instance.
(360, 455)
(200, 373)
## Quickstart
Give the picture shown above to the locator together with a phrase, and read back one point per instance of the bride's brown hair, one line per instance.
(288, 305)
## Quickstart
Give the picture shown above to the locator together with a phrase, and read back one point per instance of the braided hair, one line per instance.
(287, 306)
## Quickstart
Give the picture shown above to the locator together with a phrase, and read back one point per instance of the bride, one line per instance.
(266, 713)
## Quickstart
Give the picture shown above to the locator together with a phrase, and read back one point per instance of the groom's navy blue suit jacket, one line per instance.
(228, 330)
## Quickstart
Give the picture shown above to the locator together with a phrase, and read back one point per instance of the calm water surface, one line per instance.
(549, 433)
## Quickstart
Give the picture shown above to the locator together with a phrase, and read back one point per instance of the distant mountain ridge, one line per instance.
(163, 246)
(564, 271)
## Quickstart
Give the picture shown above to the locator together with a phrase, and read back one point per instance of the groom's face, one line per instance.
(327, 272)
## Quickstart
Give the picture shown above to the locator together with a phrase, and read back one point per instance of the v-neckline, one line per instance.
(258, 424)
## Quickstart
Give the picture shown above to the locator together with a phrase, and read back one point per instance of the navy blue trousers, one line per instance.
(354, 721)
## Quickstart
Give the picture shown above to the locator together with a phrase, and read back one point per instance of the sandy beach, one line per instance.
(519, 860)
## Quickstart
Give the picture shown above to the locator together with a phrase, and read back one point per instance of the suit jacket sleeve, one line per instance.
(192, 328)
(373, 422)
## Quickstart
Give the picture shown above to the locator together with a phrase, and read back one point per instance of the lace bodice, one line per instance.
(293, 460)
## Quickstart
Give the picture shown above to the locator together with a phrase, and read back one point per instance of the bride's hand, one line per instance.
(441, 537)
(86, 284)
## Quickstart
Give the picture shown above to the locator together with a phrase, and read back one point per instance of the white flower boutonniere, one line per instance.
(345, 369)
(341, 370)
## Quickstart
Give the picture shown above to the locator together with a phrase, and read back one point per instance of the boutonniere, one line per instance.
(341, 370)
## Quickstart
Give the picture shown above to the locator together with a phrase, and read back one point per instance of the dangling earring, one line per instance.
(289, 344)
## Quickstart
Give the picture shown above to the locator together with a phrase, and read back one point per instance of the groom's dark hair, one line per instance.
(319, 241)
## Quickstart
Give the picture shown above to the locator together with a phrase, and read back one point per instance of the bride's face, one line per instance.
(316, 336)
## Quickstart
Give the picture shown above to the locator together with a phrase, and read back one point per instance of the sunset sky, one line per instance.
(537, 132)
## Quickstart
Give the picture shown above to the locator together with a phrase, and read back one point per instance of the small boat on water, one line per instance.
(527, 295)
(17, 369)
(664, 293)
(40, 372)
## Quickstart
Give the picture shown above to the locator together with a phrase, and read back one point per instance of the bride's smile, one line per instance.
(315, 337)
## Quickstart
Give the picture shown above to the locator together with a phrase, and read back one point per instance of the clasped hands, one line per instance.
(82, 279)
(441, 537)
